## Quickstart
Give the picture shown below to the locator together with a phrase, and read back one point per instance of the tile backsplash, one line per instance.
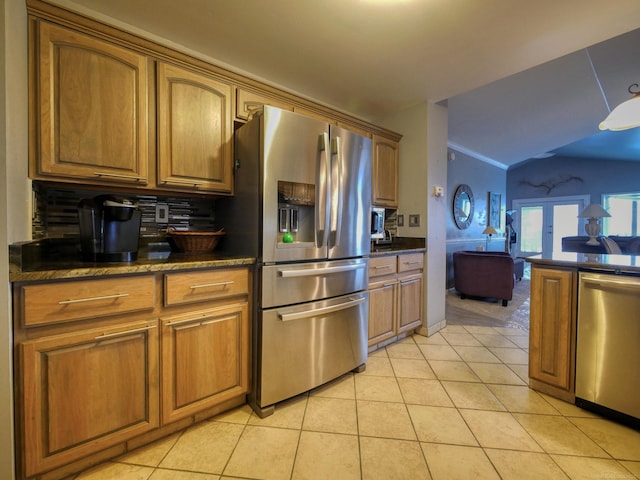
(56, 212)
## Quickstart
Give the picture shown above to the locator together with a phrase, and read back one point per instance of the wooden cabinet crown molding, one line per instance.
(38, 9)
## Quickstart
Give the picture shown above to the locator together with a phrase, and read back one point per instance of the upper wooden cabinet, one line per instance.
(384, 186)
(90, 104)
(194, 131)
(108, 108)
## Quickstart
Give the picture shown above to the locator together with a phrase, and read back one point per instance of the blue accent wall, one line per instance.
(482, 178)
(562, 176)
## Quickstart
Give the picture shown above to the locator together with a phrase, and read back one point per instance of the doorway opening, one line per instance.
(540, 223)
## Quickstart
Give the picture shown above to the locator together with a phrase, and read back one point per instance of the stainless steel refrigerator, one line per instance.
(302, 207)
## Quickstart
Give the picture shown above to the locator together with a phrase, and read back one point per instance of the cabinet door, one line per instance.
(410, 302)
(205, 359)
(194, 131)
(91, 110)
(382, 310)
(385, 172)
(552, 326)
(85, 391)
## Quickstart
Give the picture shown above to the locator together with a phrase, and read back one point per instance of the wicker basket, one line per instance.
(195, 242)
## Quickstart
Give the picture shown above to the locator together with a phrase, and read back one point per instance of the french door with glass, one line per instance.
(541, 223)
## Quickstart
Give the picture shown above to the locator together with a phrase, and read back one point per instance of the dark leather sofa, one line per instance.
(628, 245)
(484, 274)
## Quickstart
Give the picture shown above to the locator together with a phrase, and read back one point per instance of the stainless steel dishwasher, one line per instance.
(608, 346)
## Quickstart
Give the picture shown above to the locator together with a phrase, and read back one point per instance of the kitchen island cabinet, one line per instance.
(104, 364)
(552, 331)
(554, 315)
(395, 296)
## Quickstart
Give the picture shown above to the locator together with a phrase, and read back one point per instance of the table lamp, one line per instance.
(489, 231)
(594, 213)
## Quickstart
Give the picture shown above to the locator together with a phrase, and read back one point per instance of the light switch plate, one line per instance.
(414, 220)
(162, 213)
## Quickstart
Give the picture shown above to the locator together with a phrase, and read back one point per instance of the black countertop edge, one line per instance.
(618, 264)
(50, 259)
(398, 245)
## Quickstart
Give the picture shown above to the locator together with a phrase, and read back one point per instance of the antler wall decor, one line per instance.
(552, 183)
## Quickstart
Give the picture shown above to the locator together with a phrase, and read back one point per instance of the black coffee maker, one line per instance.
(109, 229)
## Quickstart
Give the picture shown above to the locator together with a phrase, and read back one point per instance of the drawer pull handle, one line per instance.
(126, 332)
(412, 263)
(285, 317)
(118, 175)
(207, 285)
(201, 321)
(184, 182)
(382, 266)
(93, 299)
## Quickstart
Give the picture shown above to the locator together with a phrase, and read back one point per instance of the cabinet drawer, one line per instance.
(201, 286)
(81, 299)
(411, 261)
(379, 266)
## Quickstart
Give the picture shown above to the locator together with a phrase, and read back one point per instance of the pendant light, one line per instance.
(626, 115)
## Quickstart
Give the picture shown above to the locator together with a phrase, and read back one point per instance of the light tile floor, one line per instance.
(451, 406)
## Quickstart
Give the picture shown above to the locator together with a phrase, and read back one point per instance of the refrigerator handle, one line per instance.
(322, 188)
(337, 192)
(316, 312)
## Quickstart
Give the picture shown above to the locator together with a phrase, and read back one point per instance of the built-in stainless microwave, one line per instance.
(377, 223)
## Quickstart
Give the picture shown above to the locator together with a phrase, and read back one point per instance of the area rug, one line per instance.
(515, 314)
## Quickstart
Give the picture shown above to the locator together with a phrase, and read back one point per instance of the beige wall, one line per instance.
(423, 153)
(15, 196)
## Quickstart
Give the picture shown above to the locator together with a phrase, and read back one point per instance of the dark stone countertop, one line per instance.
(398, 245)
(616, 264)
(61, 258)
(52, 259)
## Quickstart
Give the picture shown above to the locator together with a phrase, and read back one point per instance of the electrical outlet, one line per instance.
(162, 213)
(414, 220)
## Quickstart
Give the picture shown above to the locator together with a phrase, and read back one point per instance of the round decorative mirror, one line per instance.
(463, 206)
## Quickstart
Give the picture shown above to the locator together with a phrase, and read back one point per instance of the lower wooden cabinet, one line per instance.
(87, 384)
(382, 307)
(395, 295)
(202, 362)
(552, 331)
(86, 390)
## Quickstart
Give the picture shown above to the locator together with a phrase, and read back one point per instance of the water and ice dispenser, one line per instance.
(296, 212)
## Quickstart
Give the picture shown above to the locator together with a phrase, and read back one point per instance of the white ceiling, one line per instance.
(373, 57)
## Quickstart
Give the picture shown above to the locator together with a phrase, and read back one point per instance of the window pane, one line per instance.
(531, 230)
(623, 209)
(565, 223)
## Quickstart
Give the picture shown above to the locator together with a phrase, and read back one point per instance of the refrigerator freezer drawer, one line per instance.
(307, 345)
(292, 283)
